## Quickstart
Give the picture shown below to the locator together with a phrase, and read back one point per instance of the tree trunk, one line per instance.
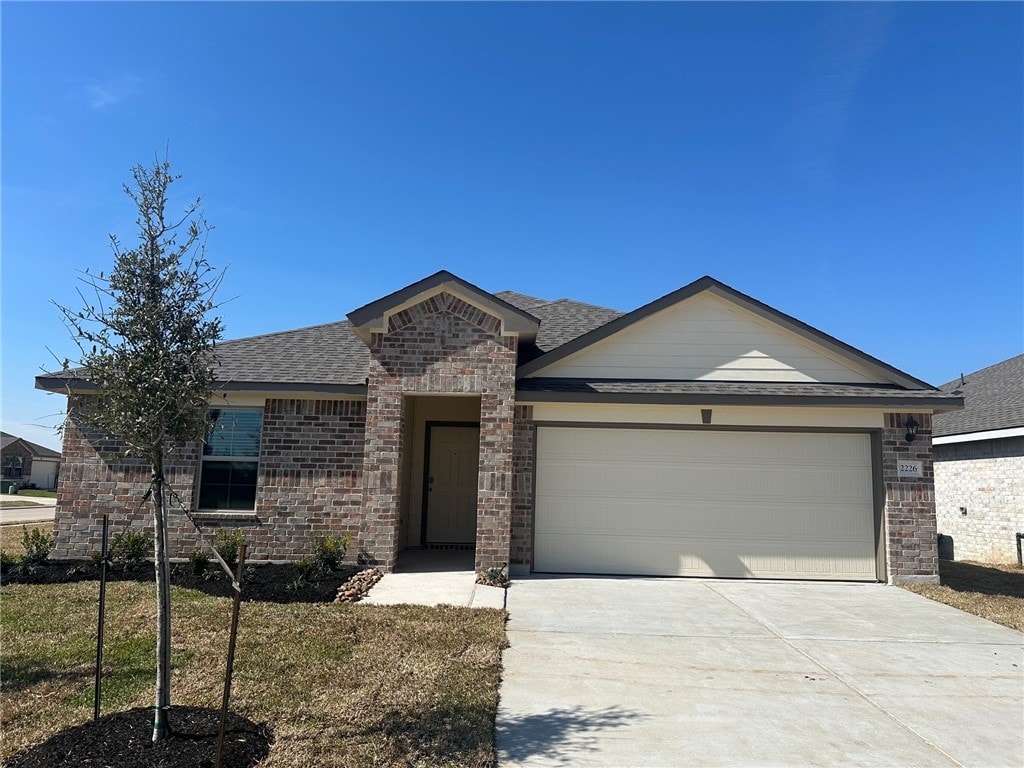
(163, 608)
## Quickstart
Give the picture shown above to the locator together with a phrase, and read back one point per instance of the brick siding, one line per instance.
(987, 478)
(910, 532)
(309, 484)
(441, 345)
(95, 480)
(310, 476)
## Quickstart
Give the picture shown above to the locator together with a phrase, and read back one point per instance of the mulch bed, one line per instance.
(262, 581)
(123, 739)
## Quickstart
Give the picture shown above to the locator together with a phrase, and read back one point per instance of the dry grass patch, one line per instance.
(992, 591)
(10, 535)
(340, 685)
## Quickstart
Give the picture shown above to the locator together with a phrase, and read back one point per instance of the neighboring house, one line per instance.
(28, 463)
(704, 434)
(979, 464)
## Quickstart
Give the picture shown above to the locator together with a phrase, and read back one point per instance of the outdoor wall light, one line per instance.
(911, 429)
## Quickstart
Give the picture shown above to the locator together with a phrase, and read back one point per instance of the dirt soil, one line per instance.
(992, 591)
(123, 740)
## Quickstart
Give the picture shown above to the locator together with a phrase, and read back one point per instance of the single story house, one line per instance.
(703, 434)
(979, 464)
(28, 463)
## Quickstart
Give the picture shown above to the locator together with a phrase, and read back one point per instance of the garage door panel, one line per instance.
(679, 502)
(700, 557)
(808, 521)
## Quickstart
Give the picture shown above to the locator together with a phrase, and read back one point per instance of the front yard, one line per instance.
(339, 685)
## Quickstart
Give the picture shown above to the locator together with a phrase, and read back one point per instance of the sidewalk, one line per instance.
(434, 578)
(35, 509)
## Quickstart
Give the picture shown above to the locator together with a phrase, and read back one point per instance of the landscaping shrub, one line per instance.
(130, 548)
(37, 545)
(330, 550)
(308, 569)
(227, 542)
(199, 561)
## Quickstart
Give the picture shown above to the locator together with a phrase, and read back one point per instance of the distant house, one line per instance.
(28, 463)
(979, 463)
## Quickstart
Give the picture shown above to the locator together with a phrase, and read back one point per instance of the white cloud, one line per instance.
(103, 94)
(827, 97)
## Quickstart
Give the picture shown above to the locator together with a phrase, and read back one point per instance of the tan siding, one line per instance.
(720, 415)
(708, 338)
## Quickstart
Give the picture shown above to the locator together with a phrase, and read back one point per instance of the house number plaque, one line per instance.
(910, 468)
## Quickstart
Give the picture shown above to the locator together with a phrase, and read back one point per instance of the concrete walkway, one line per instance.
(679, 672)
(434, 578)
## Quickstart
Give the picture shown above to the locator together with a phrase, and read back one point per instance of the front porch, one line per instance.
(435, 577)
(438, 450)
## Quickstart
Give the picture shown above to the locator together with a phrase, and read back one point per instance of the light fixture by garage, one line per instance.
(911, 426)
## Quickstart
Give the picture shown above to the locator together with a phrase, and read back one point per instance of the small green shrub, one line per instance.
(308, 568)
(330, 550)
(37, 545)
(199, 561)
(227, 541)
(130, 548)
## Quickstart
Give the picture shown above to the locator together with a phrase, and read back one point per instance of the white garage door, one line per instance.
(704, 503)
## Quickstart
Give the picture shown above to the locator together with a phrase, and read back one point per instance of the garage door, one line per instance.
(704, 503)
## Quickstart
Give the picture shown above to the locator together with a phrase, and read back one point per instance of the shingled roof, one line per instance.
(329, 354)
(40, 451)
(993, 399)
(330, 357)
(561, 320)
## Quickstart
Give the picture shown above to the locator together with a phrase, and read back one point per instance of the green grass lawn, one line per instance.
(340, 685)
(12, 501)
(37, 492)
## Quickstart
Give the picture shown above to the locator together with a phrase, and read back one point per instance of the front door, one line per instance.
(452, 471)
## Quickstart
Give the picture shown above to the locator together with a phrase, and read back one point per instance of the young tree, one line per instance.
(147, 344)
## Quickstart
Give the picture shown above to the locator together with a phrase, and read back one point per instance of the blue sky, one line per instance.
(857, 166)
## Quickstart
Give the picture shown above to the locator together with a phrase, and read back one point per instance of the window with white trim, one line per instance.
(13, 467)
(231, 459)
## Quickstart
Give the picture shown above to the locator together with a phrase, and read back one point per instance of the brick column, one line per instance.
(521, 555)
(910, 531)
(494, 492)
(382, 473)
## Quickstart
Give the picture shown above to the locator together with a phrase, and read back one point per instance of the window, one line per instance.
(231, 459)
(13, 466)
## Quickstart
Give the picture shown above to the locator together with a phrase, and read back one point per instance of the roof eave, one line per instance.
(935, 404)
(73, 386)
(63, 385)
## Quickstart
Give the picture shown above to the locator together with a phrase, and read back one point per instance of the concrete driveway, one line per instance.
(679, 672)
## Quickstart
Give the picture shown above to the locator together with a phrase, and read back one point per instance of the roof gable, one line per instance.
(373, 317)
(709, 331)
